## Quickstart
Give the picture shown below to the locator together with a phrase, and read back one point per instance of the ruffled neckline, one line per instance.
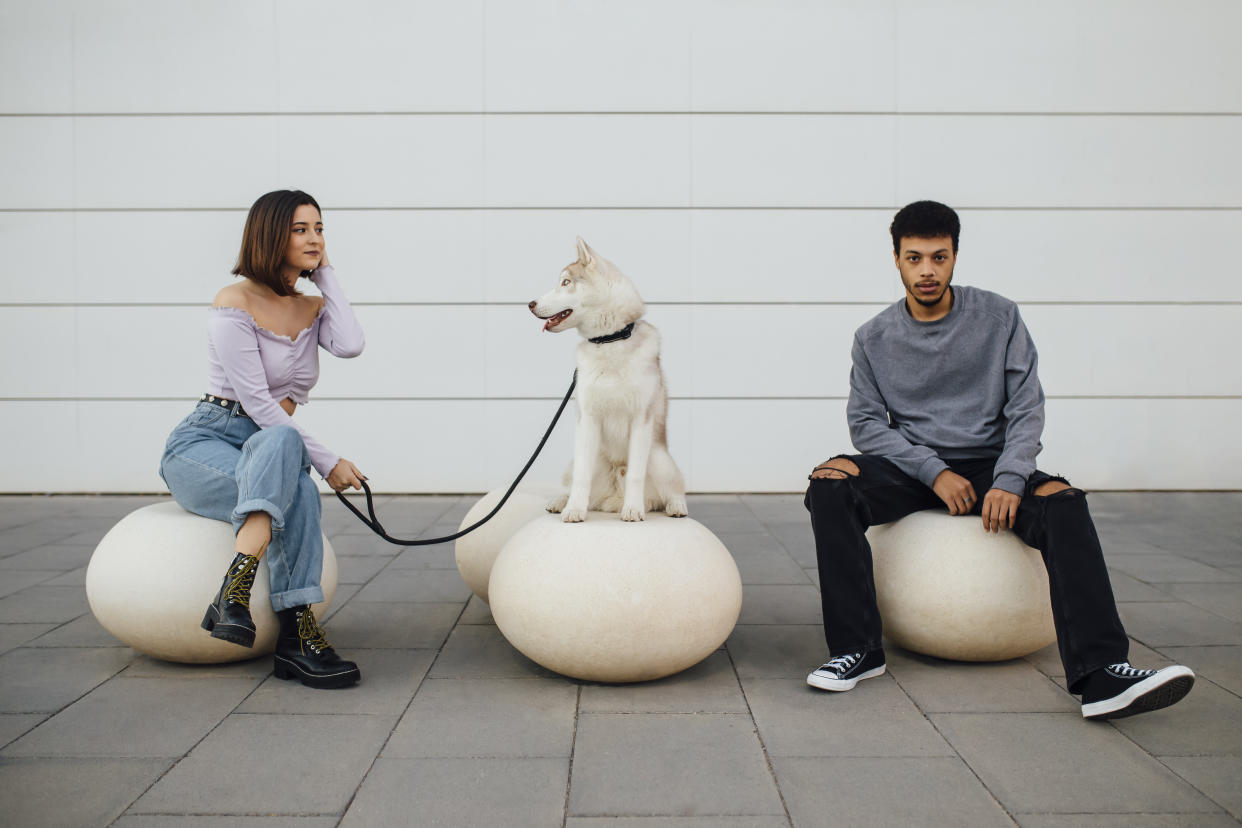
(245, 315)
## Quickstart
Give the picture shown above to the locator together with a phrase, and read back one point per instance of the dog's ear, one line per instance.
(585, 254)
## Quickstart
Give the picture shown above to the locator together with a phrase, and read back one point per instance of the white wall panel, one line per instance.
(40, 353)
(1070, 161)
(792, 160)
(141, 352)
(383, 160)
(592, 56)
(588, 160)
(173, 162)
(1068, 56)
(39, 254)
(36, 56)
(36, 163)
(793, 56)
(175, 56)
(43, 452)
(379, 56)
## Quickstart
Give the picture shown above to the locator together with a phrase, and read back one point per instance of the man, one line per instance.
(947, 410)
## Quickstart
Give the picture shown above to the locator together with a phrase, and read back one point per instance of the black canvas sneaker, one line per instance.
(1120, 690)
(844, 671)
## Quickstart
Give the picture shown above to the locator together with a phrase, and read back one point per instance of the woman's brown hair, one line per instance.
(266, 238)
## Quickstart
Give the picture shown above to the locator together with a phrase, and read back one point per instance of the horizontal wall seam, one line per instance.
(675, 303)
(800, 208)
(809, 398)
(625, 113)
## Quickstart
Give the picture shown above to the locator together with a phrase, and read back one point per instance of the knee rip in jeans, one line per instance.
(1057, 487)
(839, 468)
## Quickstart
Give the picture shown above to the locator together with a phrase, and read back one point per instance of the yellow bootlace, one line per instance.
(239, 588)
(311, 633)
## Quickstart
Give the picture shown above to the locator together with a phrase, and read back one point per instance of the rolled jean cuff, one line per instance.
(257, 504)
(296, 598)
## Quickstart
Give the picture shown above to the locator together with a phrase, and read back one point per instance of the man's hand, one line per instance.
(999, 509)
(955, 491)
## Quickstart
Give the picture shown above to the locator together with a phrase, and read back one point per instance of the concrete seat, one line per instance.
(477, 552)
(153, 575)
(950, 589)
(614, 601)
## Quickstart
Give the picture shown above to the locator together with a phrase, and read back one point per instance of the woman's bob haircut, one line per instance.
(266, 238)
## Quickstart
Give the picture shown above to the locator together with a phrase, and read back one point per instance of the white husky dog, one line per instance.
(621, 460)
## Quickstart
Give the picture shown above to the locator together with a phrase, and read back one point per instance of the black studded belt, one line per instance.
(232, 405)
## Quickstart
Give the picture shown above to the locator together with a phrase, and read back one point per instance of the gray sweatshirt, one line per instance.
(964, 386)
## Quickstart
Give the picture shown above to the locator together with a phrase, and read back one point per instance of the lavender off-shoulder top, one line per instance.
(257, 367)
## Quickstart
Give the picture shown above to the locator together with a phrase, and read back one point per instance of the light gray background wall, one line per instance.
(740, 160)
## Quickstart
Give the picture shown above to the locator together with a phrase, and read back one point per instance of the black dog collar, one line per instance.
(624, 333)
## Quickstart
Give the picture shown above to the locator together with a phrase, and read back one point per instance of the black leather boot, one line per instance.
(228, 617)
(303, 653)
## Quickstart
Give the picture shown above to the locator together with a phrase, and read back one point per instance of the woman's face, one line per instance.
(305, 249)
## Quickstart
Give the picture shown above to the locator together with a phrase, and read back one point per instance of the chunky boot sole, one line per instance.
(285, 669)
(226, 632)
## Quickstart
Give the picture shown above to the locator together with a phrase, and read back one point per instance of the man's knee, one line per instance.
(838, 468)
(1051, 487)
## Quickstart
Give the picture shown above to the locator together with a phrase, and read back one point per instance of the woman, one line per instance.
(240, 456)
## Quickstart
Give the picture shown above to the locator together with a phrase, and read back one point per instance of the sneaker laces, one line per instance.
(243, 579)
(311, 634)
(841, 663)
(1124, 670)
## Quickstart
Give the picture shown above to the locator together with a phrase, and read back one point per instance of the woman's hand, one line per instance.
(345, 475)
(323, 259)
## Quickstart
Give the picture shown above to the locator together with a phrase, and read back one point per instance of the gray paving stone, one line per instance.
(1126, 821)
(363, 546)
(717, 504)
(13, 725)
(318, 764)
(1224, 599)
(777, 650)
(43, 680)
(1168, 569)
(736, 523)
(344, 593)
(813, 576)
(43, 605)
(487, 718)
(72, 792)
(1220, 777)
(443, 586)
(745, 544)
(797, 539)
(74, 577)
(770, 568)
(1059, 763)
(15, 635)
(426, 557)
(477, 612)
(679, 822)
(401, 626)
(710, 686)
(389, 680)
(55, 557)
(461, 793)
(670, 765)
(874, 719)
(146, 667)
(358, 569)
(1129, 588)
(18, 579)
(136, 718)
(767, 604)
(1208, 720)
(83, 631)
(482, 652)
(938, 686)
(1173, 625)
(1220, 665)
(776, 507)
(885, 791)
(170, 821)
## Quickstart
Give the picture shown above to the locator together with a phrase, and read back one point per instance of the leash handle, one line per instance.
(373, 522)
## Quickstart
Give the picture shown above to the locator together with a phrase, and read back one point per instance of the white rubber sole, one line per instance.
(841, 685)
(1166, 687)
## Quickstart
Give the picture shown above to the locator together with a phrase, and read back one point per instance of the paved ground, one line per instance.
(452, 727)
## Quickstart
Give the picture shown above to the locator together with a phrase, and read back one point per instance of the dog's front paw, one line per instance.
(572, 515)
(557, 504)
(630, 512)
(675, 508)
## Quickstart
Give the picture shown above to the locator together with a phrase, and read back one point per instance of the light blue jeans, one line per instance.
(219, 464)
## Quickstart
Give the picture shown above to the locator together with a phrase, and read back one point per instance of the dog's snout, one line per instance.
(532, 304)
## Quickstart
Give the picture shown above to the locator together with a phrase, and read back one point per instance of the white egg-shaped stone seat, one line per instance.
(950, 589)
(477, 551)
(153, 575)
(615, 601)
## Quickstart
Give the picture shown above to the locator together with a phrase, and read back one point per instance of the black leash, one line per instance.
(374, 523)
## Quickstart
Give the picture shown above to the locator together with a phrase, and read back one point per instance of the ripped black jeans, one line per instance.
(1089, 632)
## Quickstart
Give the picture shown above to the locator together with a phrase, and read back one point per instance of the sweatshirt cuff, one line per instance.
(930, 470)
(1010, 482)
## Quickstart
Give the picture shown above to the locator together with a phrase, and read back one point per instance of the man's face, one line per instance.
(926, 267)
